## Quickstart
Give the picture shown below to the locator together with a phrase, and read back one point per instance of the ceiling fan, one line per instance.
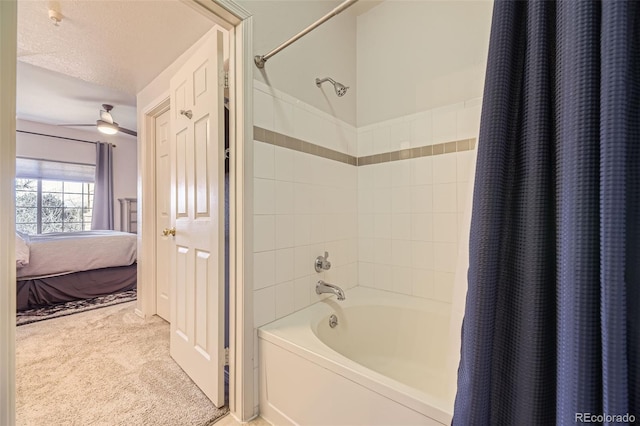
(106, 124)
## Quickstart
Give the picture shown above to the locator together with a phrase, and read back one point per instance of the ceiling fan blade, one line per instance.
(128, 132)
(76, 125)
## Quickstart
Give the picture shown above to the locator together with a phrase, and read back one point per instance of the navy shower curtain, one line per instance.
(551, 333)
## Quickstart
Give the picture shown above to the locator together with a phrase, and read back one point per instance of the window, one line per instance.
(53, 196)
(44, 206)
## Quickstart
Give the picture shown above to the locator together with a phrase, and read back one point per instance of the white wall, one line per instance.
(328, 51)
(125, 169)
(418, 55)
(158, 89)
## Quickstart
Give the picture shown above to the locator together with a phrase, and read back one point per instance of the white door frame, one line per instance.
(8, 39)
(147, 238)
(241, 381)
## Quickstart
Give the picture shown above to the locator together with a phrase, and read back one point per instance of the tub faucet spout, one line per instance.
(323, 287)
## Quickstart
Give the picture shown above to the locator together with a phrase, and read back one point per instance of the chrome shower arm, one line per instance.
(319, 81)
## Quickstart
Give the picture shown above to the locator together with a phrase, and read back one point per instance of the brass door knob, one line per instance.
(166, 232)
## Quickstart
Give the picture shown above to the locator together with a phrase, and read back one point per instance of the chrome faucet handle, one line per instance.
(322, 263)
(327, 264)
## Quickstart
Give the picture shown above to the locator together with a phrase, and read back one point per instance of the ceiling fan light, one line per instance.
(107, 128)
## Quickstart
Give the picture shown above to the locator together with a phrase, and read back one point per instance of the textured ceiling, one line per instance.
(110, 48)
(53, 98)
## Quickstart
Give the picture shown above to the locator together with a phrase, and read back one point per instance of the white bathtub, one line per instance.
(385, 363)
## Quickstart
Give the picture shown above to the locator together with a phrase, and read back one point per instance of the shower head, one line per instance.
(341, 89)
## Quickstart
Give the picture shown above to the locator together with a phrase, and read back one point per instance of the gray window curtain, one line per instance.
(103, 217)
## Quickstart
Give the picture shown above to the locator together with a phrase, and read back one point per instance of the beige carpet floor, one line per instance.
(104, 367)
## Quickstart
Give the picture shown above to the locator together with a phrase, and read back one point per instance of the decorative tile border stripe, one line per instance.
(423, 151)
(278, 139)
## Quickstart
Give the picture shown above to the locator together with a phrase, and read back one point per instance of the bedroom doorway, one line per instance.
(241, 395)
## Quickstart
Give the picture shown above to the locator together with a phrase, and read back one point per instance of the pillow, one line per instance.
(22, 252)
(24, 236)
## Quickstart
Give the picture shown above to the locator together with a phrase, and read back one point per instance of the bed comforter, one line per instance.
(67, 252)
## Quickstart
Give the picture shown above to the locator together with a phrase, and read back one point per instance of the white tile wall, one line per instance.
(421, 125)
(284, 165)
(297, 217)
(264, 306)
(263, 109)
(400, 135)
(445, 168)
(283, 117)
(381, 139)
(399, 220)
(468, 122)
(284, 299)
(275, 110)
(264, 195)
(303, 205)
(263, 161)
(421, 170)
(264, 269)
(393, 226)
(410, 242)
(464, 165)
(445, 227)
(365, 143)
(445, 124)
(445, 198)
(301, 200)
(410, 211)
(264, 234)
(285, 233)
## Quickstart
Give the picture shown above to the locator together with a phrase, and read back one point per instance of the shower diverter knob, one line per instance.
(322, 263)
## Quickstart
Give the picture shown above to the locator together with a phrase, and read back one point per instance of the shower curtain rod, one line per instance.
(260, 60)
(58, 137)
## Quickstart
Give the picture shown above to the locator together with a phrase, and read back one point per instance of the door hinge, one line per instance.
(226, 79)
(226, 356)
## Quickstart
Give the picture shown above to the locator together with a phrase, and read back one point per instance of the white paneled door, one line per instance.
(197, 213)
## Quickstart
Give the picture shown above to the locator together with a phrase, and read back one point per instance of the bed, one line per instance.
(61, 267)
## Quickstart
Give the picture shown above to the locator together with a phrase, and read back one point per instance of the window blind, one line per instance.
(32, 168)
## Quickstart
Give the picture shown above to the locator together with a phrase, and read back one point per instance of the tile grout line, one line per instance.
(284, 141)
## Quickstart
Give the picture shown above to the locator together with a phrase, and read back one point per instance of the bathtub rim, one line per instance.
(289, 334)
